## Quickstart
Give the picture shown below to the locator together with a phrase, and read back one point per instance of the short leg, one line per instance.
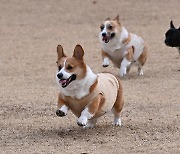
(140, 71)
(105, 59)
(62, 111)
(124, 64)
(62, 108)
(129, 56)
(141, 61)
(118, 105)
(105, 62)
(128, 68)
(90, 110)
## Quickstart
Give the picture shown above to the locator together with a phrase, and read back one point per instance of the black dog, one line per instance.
(173, 37)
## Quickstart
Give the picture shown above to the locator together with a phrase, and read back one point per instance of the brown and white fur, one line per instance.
(84, 92)
(121, 47)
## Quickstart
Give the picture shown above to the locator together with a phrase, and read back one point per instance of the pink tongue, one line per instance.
(62, 81)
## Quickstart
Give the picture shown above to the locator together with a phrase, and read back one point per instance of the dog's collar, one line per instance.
(127, 40)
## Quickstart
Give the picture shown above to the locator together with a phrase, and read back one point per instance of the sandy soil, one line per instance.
(29, 34)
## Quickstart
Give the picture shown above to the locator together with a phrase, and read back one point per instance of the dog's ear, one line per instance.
(60, 53)
(171, 24)
(117, 19)
(107, 19)
(78, 52)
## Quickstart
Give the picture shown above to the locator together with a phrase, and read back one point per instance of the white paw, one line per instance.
(117, 122)
(140, 72)
(122, 71)
(105, 62)
(62, 111)
(82, 121)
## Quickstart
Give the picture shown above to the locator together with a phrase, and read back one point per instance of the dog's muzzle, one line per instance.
(106, 37)
(65, 82)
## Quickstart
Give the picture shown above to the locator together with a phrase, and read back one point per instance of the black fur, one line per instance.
(172, 36)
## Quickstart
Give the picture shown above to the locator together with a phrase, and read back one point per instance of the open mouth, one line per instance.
(106, 38)
(66, 82)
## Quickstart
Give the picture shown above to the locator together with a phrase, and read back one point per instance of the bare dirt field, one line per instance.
(30, 31)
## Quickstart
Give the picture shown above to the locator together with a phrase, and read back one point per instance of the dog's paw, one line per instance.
(140, 72)
(60, 113)
(82, 121)
(105, 65)
(105, 62)
(122, 71)
(117, 122)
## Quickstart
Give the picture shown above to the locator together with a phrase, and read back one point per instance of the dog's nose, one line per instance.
(59, 75)
(104, 34)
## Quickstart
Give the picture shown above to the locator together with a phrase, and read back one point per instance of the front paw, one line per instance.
(82, 121)
(60, 113)
(105, 65)
(105, 62)
(122, 71)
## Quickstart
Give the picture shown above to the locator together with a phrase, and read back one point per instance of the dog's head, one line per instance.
(109, 29)
(172, 36)
(70, 69)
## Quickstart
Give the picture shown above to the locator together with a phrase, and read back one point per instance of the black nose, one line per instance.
(104, 34)
(59, 75)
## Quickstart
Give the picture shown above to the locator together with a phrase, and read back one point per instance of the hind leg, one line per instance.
(117, 119)
(126, 62)
(128, 68)
(140, 70)
(118, 105)
(141, 61)
(124, 65)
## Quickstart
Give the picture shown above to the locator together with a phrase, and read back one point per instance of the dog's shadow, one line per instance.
(79, 133)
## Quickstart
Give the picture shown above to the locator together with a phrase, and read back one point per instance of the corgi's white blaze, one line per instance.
(66, 75)
(85, 116)
(79, 88)
(105, 27)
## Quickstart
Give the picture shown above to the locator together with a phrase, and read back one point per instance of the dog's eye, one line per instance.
(102, 27)
(110, 27)
(59, 67)
(69, 67)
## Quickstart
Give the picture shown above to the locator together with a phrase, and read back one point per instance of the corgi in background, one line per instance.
(121, 47)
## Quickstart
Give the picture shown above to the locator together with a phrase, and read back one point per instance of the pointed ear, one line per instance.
(116, 18)
(171, 24)
(107, 19)
(78, 52)
(60, 53)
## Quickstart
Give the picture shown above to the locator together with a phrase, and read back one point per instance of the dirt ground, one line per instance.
(29, 34)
